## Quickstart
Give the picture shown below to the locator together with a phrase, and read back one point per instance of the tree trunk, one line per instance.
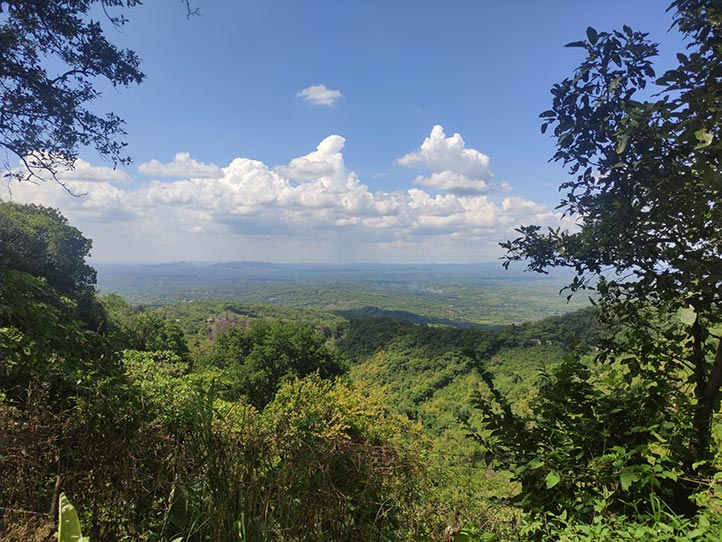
(706, 391)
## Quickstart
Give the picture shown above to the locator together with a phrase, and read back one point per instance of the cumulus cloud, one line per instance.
(325, 161)
(314, 208)
(319, 95)
(181, 166)
(454, 167)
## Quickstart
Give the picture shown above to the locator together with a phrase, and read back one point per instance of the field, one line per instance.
(440, 294)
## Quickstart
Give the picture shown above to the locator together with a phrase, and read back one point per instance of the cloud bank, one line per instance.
(311, 209)
(181, 166)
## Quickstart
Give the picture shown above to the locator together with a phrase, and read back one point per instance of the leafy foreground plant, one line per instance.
(68, 522)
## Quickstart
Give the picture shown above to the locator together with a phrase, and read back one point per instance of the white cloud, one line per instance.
(453, 182)
(85, 172)
(454, 168)
(325, 161)
(439, 153)
(319, 95)
(181, 166)
(313, 209)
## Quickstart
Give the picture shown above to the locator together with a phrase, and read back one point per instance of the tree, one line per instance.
(646, 195)
(39, 241)
(49, 317)
(51, 55)
(150, 332)
(259, 360)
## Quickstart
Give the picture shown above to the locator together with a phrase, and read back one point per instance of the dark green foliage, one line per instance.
(258, 360)
(595, 438)
(634, 428)
(137, 329)
(50, 323)
(38, 241)
(150, 332)
(364, 337)
(51, 54)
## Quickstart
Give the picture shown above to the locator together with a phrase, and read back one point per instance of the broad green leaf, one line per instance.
(626, 479)
(687, 315)
(69, 525)
(552, 479)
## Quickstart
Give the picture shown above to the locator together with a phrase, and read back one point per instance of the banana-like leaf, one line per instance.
(68, 523)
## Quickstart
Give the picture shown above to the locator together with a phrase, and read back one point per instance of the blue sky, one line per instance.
(230, 85)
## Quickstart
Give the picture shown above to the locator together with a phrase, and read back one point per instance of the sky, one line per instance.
(335, 131)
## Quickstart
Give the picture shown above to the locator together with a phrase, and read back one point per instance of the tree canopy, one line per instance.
(258, 360)
(39, 241)
(51, 56)
(644, 154)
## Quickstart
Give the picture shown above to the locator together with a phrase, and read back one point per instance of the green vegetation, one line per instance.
(213, 421)
(628, 433)
(441, 294)
(223, 421)
(258, 360)
(381, 410)
(68, 522)
(157, 444)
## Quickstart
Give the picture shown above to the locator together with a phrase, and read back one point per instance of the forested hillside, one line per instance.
(255, 402)
(204, 419)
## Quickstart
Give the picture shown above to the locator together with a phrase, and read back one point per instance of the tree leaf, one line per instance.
(622, 143)
(687, 315)
(626, 479)
(552, 479)
(592, 35)
(704, 137)
(68, 524)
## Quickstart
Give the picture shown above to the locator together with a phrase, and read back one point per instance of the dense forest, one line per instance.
(222, 420)
(217, 420)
